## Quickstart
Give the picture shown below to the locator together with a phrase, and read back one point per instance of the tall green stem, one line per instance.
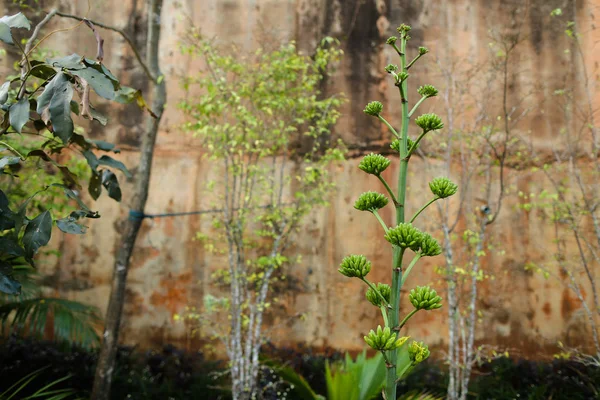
(390, 386)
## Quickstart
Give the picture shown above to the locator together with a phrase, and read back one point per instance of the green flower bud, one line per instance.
(374, 108)
(370, 201)
(403, 28)
(443, 187)
(428, 91)
(374, 164)
(425, 298)
(405, 236)
(429, 246)
(375, 299)
(418, 352)
(355, 266)
(401, 77)
(384, 339)
(395, 145)
(423, 50)
(429, 122)
(391, 68)
(391, 40)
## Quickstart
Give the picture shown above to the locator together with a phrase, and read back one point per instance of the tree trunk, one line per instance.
(106, 359)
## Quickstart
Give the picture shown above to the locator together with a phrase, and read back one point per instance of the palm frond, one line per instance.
(416, 395)
(14, 392)
(31, 313)
(70, 321)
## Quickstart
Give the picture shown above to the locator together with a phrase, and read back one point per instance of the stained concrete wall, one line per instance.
(170, 270)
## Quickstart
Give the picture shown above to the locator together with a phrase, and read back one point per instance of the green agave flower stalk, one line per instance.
(405, 235)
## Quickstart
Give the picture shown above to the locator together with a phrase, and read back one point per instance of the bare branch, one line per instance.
(123, 34)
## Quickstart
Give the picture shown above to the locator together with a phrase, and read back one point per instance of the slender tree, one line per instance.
(266, 126)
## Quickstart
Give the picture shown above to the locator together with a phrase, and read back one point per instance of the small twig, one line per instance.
(120, 32)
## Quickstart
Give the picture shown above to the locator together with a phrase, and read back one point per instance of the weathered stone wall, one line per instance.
(170, 271)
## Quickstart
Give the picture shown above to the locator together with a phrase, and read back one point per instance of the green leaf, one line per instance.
(95, 185)
(111, 183)
(74, 107)
(4, 92)
(10, 247)
(56, 101)
(16, 21)
(91, 159)
(68, 225)
(19, 114)
(7, 216)
(127, 95)
(300, 387)
(12, 21)
(71, 195)
(102, 68)
(37, 233)
(111, 162)
(78, 214)
(4, 161)
(5, 34)
(41, 70)
(98, 117)
(71, 62)
(101, 84)
(8, 285)
(104, 146)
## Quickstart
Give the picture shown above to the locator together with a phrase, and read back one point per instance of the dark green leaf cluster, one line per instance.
(370, 201)
(355, 266)
(425, 298)
(374, 164)
(429, 122)
(384, 290)
(42, 100)
(405, 236)
(443, 187)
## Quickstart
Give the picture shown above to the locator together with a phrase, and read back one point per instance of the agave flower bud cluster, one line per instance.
(443, 187)
(425, 298)
(355, 266)
(405, 236)
(427, 91)
(374, 164)
(384, 339)
(370, 201)
(384, 291)
(418, 352)
(429, 246)
(395, 145)
(429, 122)
(374, 108)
